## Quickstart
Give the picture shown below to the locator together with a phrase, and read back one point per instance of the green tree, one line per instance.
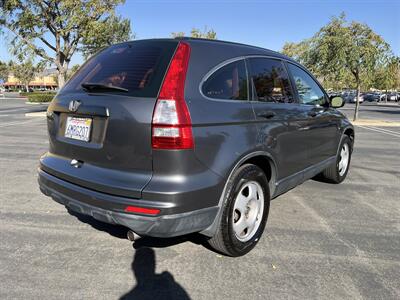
(397, 75)
(342, 51)
(197, 33)
(72, 71)
(55, 29)
(387, 75)
(111, 31)
(4, 70)
(25, 72)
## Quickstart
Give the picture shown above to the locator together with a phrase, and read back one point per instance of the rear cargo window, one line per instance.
(137, 66)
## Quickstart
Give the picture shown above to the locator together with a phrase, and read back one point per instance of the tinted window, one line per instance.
(270, 81)
(137, 66)
(308, 90)
(229, 82)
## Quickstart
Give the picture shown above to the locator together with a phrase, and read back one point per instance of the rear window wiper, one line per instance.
(91, 86)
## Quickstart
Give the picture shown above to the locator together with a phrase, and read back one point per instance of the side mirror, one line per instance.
(336, 102)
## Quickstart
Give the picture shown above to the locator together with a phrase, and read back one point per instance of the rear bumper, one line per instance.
(110, 209)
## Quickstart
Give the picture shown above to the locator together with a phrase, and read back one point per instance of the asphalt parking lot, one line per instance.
(322, 241)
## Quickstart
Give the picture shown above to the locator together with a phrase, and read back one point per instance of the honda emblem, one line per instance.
(74, 105)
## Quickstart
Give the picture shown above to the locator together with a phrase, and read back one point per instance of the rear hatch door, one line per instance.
(100, 123)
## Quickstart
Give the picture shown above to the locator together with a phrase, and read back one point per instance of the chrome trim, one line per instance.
(231, 60)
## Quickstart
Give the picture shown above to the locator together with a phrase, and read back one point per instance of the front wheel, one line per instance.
(337, 172)
(244, 213)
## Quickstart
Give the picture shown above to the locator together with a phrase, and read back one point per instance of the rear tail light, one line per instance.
(171, 125)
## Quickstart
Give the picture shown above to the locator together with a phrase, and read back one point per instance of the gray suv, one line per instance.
(174, 136)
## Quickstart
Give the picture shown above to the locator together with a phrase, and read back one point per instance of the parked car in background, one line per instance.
(382, 96)
(347, 95)
(334, 94)
(173, 136)
(392, 96)
(352, 97)
(371, 97)
(375, 96)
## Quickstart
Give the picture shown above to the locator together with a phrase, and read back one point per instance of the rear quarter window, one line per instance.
(229, 82)
(137, 66)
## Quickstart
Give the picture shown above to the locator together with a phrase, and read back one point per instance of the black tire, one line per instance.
(331, 174)
(225, 240)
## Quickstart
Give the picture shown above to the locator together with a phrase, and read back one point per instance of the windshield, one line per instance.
(137, 67)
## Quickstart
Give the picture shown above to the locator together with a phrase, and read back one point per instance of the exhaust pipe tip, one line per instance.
(132, 236)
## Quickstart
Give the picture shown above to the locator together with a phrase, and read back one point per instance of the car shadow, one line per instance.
(320, 178)
(150, 285)
(154, 242)
(114, 230)
(120, 232)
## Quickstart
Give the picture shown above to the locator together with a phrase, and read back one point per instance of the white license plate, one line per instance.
(78, 128)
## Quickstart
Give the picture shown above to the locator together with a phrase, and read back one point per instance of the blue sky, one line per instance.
(265, 23)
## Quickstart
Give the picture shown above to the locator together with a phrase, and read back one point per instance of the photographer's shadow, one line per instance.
(149, 284)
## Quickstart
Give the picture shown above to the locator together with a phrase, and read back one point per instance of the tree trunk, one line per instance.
(60, 79)
(62, 69)
(357, 102)
(27, 88)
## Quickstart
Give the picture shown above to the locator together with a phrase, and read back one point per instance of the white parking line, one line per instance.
(16, 123)
(385, 131)
(22, 110)
(12, 110)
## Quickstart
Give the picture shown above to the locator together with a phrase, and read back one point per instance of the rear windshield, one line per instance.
(137, 66)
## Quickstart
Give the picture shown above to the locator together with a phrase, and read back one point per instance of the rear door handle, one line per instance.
(266, 114)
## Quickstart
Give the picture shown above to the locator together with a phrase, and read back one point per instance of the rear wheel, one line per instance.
(337, 172)
(245, 212)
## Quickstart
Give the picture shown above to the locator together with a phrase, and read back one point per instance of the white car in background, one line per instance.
(393, 96)
(353, 99)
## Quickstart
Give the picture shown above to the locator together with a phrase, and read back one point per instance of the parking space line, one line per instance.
(16, 123)
(376, 129)
(384, 129)
(21, 109)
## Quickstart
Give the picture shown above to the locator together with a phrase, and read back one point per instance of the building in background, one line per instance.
(45, 80)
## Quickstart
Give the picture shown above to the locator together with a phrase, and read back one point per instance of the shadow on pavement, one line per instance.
(121, 233)
(150, 285)
(153, 242)
(114, 230)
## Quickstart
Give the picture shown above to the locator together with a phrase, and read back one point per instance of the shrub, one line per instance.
(25, 94)
(38, 98)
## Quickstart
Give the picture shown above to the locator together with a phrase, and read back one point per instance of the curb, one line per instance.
(36, 114)
(36, 103)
